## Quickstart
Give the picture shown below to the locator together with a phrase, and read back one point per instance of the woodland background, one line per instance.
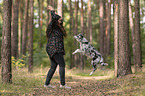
(100, 21)
(79, 17)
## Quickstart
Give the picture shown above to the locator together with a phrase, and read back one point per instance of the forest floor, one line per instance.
(101, 83)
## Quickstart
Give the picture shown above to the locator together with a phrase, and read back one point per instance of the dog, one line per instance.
(87, 49)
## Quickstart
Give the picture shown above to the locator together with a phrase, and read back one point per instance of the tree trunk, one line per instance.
(116, 49)
(41, 24)
(82, 17)
(124, 66)
(138, 61)
(108, 29)
(0, 31)
(39, 19)
(89, 22)
(132, 31)
(20, 26)
(59, 7)
(47, 17)
(105, 27)
(30, 60)
(14, 34)
(50, 3)
(72, 30)
(0, 28)
(82, 30)
(24, 29)
(101, 14)
(72, 26)
(85, 20)
(54, 3)
(76, 56)
(76, 16)
(6, 43)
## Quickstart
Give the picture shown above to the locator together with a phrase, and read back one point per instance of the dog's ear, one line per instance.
(82, 36)
(79, 34)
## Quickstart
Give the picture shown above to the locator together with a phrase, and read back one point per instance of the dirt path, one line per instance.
(131, 85)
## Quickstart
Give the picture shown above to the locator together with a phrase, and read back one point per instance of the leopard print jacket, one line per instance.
(55, 42)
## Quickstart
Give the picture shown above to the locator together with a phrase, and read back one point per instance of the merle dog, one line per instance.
(87, 49)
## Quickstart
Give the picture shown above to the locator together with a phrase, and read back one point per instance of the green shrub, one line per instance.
(40, 58)
(18, 63)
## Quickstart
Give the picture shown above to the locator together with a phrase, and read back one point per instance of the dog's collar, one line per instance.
(85, 42)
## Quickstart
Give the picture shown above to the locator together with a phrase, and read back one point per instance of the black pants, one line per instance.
(55, 60)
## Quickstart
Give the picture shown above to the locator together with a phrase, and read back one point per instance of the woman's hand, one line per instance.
(50, 8)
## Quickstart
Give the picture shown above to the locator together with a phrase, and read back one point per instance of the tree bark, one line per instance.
(39, 19)
(47, 17)
(108, 29)
(6, 43)
(124, 66)
(116, 41)
(89, 22)
(101, 15)
(76, 56)
(85, 20)
(82, 17)
(20, 26)
(14, 34)
(59, 7)
(41, 24)
(24, 29)
(72, 26)
(76, 16)
(82, 31)
(132, 31)
(54, 3)
(138, 57)
(72, 30)
(30, 60)
(50, 3)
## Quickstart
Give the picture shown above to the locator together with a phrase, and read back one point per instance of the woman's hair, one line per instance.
(48, 30)
(62, 29)
(49, 27)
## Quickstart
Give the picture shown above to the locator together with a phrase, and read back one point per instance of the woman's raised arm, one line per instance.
(54, 15)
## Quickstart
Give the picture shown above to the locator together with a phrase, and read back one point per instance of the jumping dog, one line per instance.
(87, 49)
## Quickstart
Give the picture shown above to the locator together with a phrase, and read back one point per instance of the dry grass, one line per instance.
(102, 83)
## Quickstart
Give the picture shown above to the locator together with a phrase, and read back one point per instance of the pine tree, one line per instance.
(124, 66)
(6, 43)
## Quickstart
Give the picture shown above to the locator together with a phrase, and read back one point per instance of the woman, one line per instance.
(55, 48)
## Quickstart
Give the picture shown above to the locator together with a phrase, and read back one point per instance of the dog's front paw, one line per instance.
(104, 64)
(73, 52)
